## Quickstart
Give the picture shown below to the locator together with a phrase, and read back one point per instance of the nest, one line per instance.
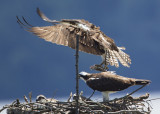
(124, 105)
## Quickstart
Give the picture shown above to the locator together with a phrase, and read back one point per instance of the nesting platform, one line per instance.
(43, 105)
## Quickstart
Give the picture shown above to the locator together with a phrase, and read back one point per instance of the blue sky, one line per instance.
(28, 63)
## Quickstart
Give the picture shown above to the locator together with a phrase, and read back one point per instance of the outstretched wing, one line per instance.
(92, 40)
(94, 32)
(62, 34)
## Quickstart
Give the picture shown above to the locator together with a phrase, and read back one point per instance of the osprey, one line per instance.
(109, 82)
(91, 39)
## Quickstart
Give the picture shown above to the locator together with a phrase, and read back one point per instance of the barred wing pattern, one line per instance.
(112, 57)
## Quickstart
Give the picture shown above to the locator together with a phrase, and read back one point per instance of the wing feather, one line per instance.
(108, 82)
(64, 35)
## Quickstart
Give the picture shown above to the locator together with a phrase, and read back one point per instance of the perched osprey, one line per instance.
(109, 82)
(92, 40)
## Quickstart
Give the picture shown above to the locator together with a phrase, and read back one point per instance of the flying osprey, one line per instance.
(109, 82)
(92, 40)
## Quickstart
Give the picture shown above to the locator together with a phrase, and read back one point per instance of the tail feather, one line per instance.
(113, 59)
(114, 56)
(107, 57)
(121, 60)
(125, 56)
(142, 82)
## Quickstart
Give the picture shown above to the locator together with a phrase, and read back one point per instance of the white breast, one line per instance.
(94, 78)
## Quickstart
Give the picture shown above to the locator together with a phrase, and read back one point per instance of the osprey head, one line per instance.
(83, 76)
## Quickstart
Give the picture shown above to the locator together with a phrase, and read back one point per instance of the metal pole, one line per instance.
(77, 72)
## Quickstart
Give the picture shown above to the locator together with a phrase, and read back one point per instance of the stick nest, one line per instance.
(123, 105)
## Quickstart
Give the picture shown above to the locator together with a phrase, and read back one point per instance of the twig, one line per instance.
(53, 95)
(153, 99)
(3, 108)
(91, 95)
(128, 111)
(137, 90)
(69, 99)
(25, 98)
(30, 97)
(129, 94)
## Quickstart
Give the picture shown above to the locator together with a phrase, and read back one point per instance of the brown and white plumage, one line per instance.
(91, 40)
(109, 82)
